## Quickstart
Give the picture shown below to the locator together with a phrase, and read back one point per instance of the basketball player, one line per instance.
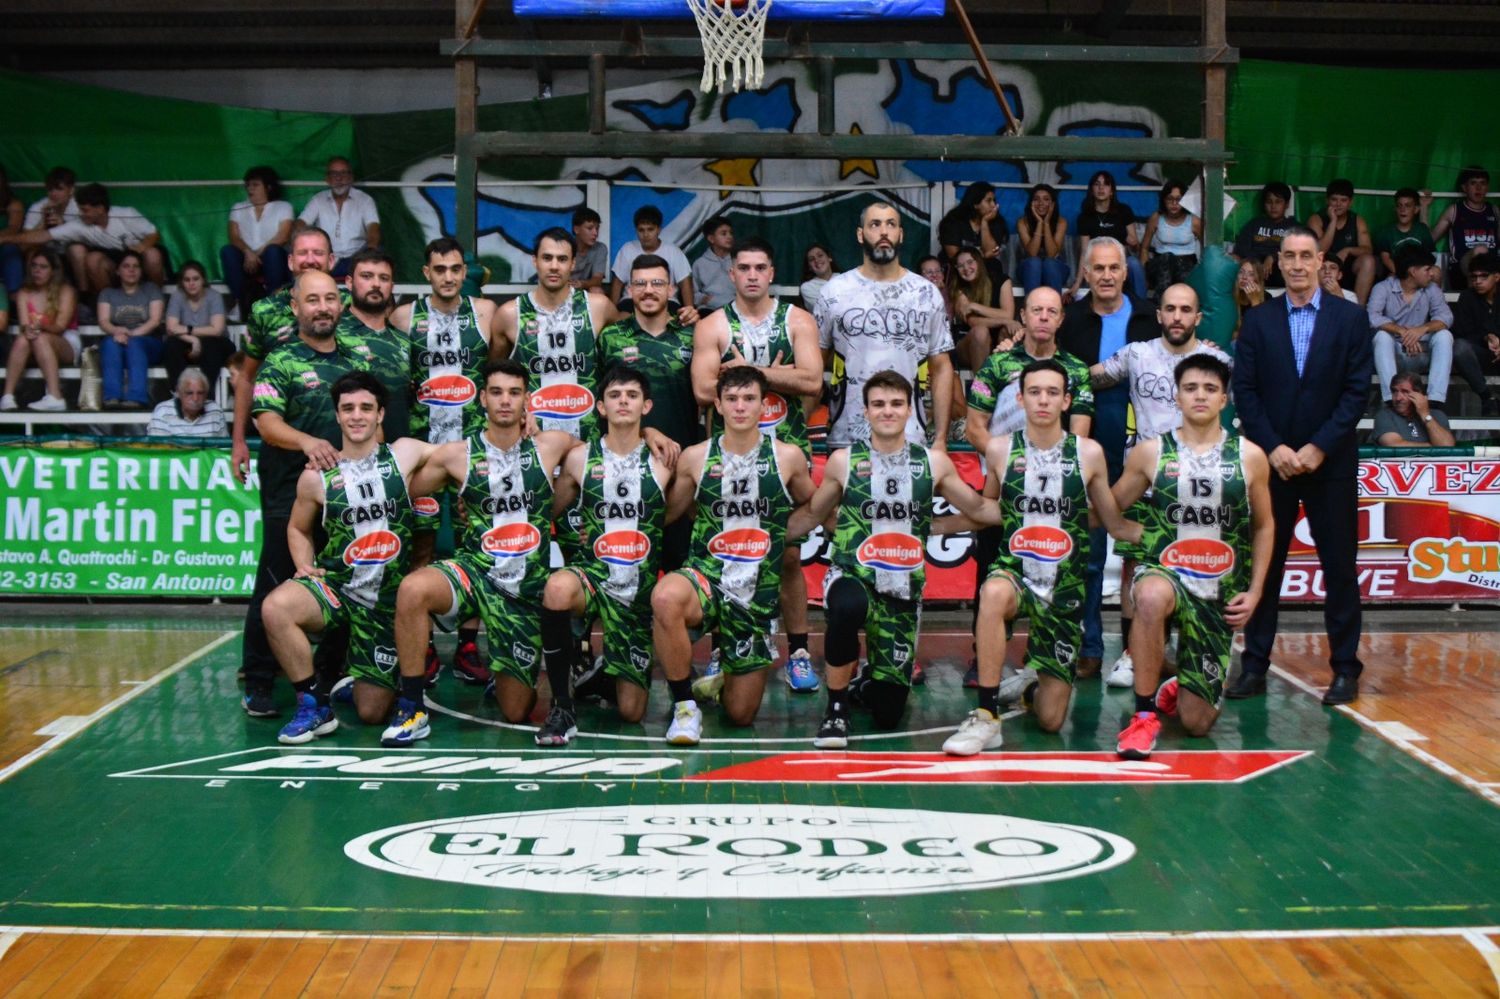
(743, 486)
(1206, 550)
(781, 341)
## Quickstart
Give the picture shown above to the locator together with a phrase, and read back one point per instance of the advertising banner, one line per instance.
(125, 520)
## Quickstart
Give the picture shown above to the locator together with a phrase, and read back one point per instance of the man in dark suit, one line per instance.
(1301, 379)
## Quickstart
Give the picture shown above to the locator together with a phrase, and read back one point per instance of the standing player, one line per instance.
(1148, 367)
(619, 490)
(362, 504)
(1207, 540)
(504, 479)
(883, 491)
(372, 281)
(743, 485)
(880, 317)
(448, 336)
(1048, 482)
(781, 341)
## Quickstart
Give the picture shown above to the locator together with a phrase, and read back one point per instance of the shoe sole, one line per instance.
(327, 728)
(417, 736)
(1122, 683)
(557, 740)
(1235, 695)
(682, 740)
(469, 678)
(837, 742)
(802, 690)
(1134, 754)
(263, 714)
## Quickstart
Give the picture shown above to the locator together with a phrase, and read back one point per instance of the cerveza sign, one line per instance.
(747, 851)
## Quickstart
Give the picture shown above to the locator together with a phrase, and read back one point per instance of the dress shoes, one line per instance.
(1088, 666)
(1247, 684)
(1343, 690)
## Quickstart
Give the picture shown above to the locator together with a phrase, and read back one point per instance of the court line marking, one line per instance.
(1463, 932)
(119, 702)
(1487, 950)
(1486, 791)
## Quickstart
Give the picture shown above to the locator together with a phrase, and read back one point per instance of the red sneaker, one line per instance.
(467, 666)
(1139, 737)
(1166, 698)
(431, 667)
(918, 675)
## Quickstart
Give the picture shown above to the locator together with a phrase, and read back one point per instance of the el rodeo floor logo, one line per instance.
(739, 851)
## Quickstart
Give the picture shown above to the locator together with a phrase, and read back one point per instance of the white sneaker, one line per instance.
(48, 404)
(8, 404)
(1014, 682)
(1122, 674)
(707, 686)
(979, 731)
(687, 724)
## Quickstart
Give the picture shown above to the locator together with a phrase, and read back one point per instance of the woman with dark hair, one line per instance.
(130, 313)
(1260, 238)
(44, 310)
(14, 213)
(817, 268)
(1102, 214)
(1172, 240)
(984, 314)
(195, 327)
(259, 227)
(976, 224)
(1043, 233)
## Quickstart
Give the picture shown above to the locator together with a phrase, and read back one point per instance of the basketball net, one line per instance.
(733, 32)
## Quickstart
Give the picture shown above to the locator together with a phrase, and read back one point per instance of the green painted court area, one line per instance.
(177, 811)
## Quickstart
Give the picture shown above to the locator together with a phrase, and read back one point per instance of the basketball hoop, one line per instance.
(734, 34)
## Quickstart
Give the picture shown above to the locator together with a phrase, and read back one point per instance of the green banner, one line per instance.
(120, 520)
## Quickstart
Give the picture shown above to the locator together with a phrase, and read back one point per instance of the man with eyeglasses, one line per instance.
(345, 213)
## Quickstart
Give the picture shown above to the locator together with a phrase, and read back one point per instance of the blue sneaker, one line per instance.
(311, 720)
(343, 691)
(707, 686)
(799, 672)
(409, 725)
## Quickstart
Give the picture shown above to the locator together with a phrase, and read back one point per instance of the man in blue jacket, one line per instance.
(1301, 379)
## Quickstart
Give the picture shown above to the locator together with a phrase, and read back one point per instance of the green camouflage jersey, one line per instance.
(622, 510)
(386, 358)
(759, 343)
(508, 495)
(739, 531)
(1196, 523)
(559, 351)
(368, 518)
(446, 368)
(883, 520)
(1044, 517)
(293, 383)
(272, 324)
(993, 391)
(666, 361)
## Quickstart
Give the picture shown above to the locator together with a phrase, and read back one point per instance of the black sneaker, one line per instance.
(260, 704)
(971, 675)
(559, 728)
(833, 733)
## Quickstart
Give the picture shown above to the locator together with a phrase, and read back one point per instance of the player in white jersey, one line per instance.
(882, 317)
(1148, 367)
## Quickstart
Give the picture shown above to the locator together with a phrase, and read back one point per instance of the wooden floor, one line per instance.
(1443, 689)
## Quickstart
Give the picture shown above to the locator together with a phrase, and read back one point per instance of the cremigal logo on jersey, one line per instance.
(892, 551)
(773, 410)
(426, 506)
(741, 851)
(1041, 542)
(375, 548)
(447, 390)
(742, 544)
(511, 540)
(560, 402)
(1201, 558)
(622, 547)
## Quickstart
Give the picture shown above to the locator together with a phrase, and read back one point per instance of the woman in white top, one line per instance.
(1171, 243)
(258, 231)
(817, 268)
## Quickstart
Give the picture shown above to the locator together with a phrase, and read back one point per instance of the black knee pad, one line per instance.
(845, 608)
(886, 701)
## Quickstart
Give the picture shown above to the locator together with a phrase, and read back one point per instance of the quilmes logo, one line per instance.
(1042, 543)
(375, 548)
(892, 551)
(742, 544)
(622, 547)
(426, 506)
(511, 540)
(1201, 558)
(560, 402)
(447, 390)
(740, 851)
(773, 410)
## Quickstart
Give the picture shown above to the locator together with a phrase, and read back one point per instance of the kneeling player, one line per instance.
(366, 510)
(883, 491)
(744, 486)
(621, 506)
(1208, 535)
(1048, 483)
(502, 563)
